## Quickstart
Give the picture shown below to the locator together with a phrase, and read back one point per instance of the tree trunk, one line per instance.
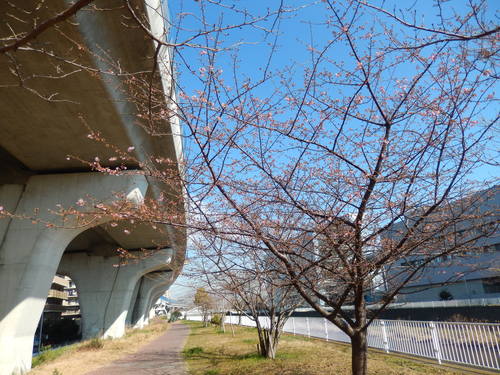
(262, 345)
(232, 329)
(359, 347)
(268, 343)
(271, 347)
(222, 322)
(205, 319)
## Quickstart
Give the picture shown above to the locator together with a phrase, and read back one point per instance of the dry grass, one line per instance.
(83, 357)
(209, 352)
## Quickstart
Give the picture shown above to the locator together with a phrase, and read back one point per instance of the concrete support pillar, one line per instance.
(10, 196)
(135, 294)
(150, 284)
(31, 249)
(106, 286)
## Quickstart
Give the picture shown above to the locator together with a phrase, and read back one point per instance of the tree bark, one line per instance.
(268, 342)
(222, 321)
(271, 346)
(205, 319)
(359, 347)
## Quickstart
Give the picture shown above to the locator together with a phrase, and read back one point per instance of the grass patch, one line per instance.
(416, 366)
(80, 358)
(51, 354)
(249, 341)
(209, 352)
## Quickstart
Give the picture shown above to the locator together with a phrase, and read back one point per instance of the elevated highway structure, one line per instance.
(77, 78)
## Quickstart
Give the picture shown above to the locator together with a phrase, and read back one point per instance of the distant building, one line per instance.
(471, 273)
(71, 304)
(62, 299)
(54, 306)
(60, 320)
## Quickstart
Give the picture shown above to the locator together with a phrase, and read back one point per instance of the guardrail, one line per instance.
(473, 344)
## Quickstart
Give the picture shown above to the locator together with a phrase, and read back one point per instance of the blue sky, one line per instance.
(291, 36)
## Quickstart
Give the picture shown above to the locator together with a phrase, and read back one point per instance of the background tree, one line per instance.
(204, 302)
(252, 284)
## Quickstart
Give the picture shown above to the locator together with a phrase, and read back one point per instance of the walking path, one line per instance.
(160, 357)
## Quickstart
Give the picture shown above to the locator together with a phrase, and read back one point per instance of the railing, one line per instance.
(474, 344)
(57, 294)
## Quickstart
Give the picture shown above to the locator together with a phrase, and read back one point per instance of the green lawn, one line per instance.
(210, 352)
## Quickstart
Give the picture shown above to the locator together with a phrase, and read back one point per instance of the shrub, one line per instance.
(467, 319)
(444, 295)
(216, 319)
(175, 316)
(193, 351)
(95, 343)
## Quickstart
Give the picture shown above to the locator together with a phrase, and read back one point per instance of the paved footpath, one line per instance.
(162, 356)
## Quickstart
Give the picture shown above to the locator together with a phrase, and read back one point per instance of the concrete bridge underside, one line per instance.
(36, 136)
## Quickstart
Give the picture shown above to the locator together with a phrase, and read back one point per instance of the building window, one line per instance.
(491, 285)
(413, 263)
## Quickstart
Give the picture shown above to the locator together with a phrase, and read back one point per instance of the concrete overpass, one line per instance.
(43, 94)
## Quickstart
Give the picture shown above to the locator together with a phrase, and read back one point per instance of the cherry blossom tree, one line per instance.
(334, 167)
(249, 281)
(356, 161)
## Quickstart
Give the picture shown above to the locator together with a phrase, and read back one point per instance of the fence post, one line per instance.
(384, 336)
(308, 327)
(326, 329)
(435, 342)
(293, 325)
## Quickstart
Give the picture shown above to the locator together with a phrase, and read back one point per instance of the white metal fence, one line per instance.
(476, 344)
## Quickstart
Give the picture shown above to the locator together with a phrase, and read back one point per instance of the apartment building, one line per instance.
(471, 272)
